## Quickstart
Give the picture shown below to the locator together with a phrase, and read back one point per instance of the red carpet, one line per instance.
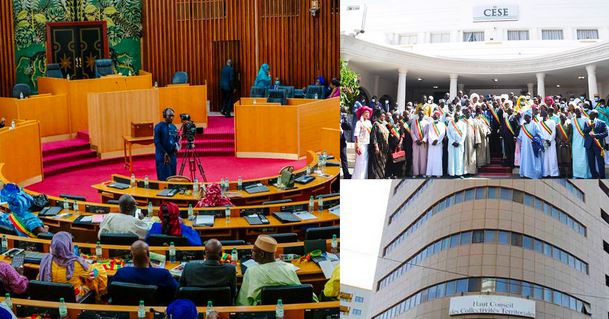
(70, 167)
(495, 169)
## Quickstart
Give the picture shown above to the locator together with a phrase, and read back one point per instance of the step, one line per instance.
(495, 175)
(63, 146)
(223, 141)
(68, 156)
(58, 168)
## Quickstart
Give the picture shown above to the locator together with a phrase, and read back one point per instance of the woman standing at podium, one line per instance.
(166, 145)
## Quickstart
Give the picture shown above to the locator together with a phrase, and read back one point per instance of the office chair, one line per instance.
(278, 96)
(180, 77)
(258, 92)
(103, 67)
(219, 296)
(117, 238)
(322, 232)
(52, 291)
(313, 90)
(287, 294)
(165, 240)
(53, 71)
(285, 237)
(123, 293)
(21, 88)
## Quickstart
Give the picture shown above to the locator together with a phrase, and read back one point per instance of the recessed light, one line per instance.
(435, 86)
(557, 85)
(581, 77)
(419, 79)
(496, 80)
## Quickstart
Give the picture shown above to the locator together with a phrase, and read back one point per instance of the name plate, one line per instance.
(488, 304)
(495, 13)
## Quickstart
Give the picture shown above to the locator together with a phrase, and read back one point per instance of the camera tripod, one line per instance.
(194, 162)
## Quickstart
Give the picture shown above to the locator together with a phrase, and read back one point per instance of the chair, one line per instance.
(299, 93)
(314, 244)
(7, 231)
(278, 96)
(287, 294)
(313, 90)
(53, 71)
(47, 235)
(20, 88)
(279, 201)
(117, 238)
(231, 242)
(73, 197)
(219, 296)
(258, 92)
(124, 293)
(103, 67)
(52, 291)
(289, 90)
(178, 179)
(322, 232)
(113, 201)
(165, 240)
(285, 237)
(180, 77)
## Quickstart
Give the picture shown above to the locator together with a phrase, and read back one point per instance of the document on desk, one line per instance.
(327, 267)
(304, 215)
(335, 210)
(204, 220)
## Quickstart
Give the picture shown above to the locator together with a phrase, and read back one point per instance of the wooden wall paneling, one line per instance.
(7, 49)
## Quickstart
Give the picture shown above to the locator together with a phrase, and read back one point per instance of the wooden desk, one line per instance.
(21, 153)
(128, 141)
(51, 110)
(78, 90)
(190, 99)
(267, 130)
(291, 311)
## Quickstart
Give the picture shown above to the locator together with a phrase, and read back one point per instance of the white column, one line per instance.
(402, 89)
(453, 86)
(592, 84)
(376, 85)
(530, 88)
(541, 85)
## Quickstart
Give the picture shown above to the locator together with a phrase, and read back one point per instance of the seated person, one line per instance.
(125, 221)
(212, 197)
(12, 280)
(268, 272)
(332, 287)
(20, 218)
(143, 273)
(6, 312)
(171, 225)
(62, 266)
(321, 81)
(211, 272)
(183, 309)
(263, 79)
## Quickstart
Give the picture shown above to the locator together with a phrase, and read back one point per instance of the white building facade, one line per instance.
(354, 302)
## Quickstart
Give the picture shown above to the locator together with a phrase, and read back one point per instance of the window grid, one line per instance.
(489, 193)
(507, 286)
(572, 189)
(440, 37)
(489, 236)
(517, 35)
(552, 35)
(409, 200)
(587, 34)
(475, 36)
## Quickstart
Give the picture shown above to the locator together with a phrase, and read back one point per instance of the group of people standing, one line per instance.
(553, 136)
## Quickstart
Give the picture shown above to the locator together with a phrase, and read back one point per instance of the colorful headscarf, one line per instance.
(214, 198)
(549, 101)
(321, 79)
(169, 214)
(62, 253)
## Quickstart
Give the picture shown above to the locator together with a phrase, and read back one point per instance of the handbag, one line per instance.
(39, 202)
(398, 156)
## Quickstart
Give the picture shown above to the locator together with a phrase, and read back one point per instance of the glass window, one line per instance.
(516, 239)
(451, 288)
(445, 243)
(517, 197)
(515, 287)
(492, 192)
(528, 200)
(441, 290)
(466, 238)
(474, 284)
(563, 218)
(504, 237)
(488, 285)
(462, 286)
(458, 197)
(538, 292)
(473, 36)
(424, 295)
(454, 240)
(440, 37)
(408, 38)
(564, 257)
(547, 249)
(572, 303)
(547, 295)
(538, 246)
(480, 192)
(431, 293)
(518, 35)
(501, 285)
(527, 242)
(469, 194)
(587, 34)
(551, 35)
(557, 297)
(555, 253)
(579, 305)
(506, 194)
(547, 209)
(437, 247)
(555, 213)
(526, 289)
(538, 204)
(565, 301)
(478, 236)
(490, 236)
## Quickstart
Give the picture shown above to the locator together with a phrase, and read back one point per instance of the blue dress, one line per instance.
(263, 80)
(530, 165)
(19, 204)
(165, 139)
(188, 232)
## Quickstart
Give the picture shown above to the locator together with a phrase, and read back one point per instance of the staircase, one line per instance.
(218, 138)
(495, 169)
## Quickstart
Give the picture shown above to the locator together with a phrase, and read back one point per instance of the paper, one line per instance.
(157, 260)
(87, 219)
(335, 210)
(98, 218)
(177, 270)
(327, 267)
(204, 220)
(305, 215)
(249, 263)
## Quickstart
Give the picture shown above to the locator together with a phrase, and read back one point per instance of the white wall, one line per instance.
(385, 85)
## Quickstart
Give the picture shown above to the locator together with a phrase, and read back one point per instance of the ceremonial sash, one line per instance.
(483, 118)
(535, 119)
(441, 110)
(20, 226)
(577, 127)
(406, 126)
(435, 128)
(509, 126)
(417, 125)
(596, 141)
(562, 131)
(584, 112)
(600, 111)
(546, 127)
(526, 132)
(494, 114)
(457, 128)
(394, 132)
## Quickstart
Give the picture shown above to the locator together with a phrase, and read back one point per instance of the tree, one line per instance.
(349, 82)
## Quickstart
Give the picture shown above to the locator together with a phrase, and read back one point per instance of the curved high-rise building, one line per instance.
(494, 249)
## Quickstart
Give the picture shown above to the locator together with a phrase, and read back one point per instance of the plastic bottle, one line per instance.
(320, 204)
(334, 245)
(75, 206)
(172, 252)
(149, 209)
(190, 212)
(279, 309)
(239, 183)
(8, 301)
(195, 186)
(234, 256)
(311, 204)
(133, 182)
(98, 250)
(146, 181)
(66, 205)
(129, 73)
(21, 95)
(227, 214)
(209, 310)
(316, 96)
(63, 309)
(13, 124)
(156, 84)
(68, 77)
(4, 243)
(308, 169)
(141, 310)
(76, 250)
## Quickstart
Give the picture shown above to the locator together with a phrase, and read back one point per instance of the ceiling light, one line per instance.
(557, 85)
(435, 86)
(496, 80)
(581, 77)
(419, 79)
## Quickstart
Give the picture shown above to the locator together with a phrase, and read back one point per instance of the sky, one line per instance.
(364, 205)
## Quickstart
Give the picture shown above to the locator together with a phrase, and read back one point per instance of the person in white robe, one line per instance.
(361, 135)
(548, 135)
(581, 169)
(456, 131)
(418, 132)
(435, 137)
(530, 165)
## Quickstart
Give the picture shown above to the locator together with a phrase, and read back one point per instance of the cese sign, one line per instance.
(495, 13)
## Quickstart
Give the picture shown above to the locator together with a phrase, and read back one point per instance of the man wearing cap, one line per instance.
(530, 162)
(435, 138)
(268, 272)
(596, 132)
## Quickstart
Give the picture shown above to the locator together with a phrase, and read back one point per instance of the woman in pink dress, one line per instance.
(335, 86)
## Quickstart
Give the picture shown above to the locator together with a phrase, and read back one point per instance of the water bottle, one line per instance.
(7, 301)
(21, 95)
(76, 250)
(209, 310)
(316, 96)
(75, 206)
(66, 205)
(141, 310)
(279, 308)
(311, 204)
(63, 309)
(195, 186)
(227, 214)
(254, 100)
(4, 243)
(226, 184)
(239, 183)
(129, 73)
(156, 84)
(146, 181)
(172, 252)
(234, 256)
(190, 212)
(133, 182)
(334, 245)
(98, 251)
(308, 170)
(68, 76)
(149, 209)
(320, 204)
(13, 124)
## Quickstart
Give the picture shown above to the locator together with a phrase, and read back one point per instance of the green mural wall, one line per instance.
(123, 18)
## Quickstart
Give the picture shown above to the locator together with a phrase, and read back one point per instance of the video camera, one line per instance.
(189, 129)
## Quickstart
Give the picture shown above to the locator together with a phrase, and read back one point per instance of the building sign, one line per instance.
(495, 13)
(488, 304)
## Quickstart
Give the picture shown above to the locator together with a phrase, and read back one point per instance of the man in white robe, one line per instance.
(455, 131)
(418, 132)
(435, 137)
(548, 135)
(580, 155)
(530, 165)
(472, 139)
